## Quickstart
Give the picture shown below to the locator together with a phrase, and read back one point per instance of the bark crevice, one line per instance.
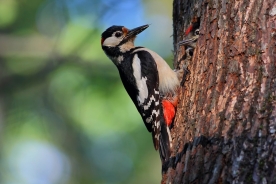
(225, 126)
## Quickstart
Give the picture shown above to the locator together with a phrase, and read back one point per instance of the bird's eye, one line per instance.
(197, 32)
(118, 34)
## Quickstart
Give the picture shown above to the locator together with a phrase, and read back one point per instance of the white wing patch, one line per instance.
(168, 80)
(140, 81)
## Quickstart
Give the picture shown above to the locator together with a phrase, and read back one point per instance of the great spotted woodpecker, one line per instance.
(192, 38)
(192, 35)
(150, 82)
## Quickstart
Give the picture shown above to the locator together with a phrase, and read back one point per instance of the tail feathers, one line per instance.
(165, 141)
(155, 140)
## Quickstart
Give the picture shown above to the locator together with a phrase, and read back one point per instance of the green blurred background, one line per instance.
(65, 117)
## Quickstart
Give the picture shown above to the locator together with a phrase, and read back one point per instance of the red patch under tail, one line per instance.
(168, 111)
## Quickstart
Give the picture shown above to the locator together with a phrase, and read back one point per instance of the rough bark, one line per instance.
(224, 130)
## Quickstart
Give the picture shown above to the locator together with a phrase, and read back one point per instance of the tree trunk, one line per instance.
(225, 126)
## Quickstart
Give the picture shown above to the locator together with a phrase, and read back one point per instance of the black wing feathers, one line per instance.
(150, 110)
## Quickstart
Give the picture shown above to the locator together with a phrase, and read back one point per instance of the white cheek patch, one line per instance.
(111, 41)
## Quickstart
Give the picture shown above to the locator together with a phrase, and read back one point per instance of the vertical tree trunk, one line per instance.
(225, 127)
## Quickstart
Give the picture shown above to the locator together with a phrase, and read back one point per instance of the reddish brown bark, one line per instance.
(224, 130)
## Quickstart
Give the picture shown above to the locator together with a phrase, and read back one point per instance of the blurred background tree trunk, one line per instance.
(224, 130)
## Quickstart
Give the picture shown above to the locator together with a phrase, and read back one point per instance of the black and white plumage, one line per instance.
(190, 42)
(192, 35)
(146, 77)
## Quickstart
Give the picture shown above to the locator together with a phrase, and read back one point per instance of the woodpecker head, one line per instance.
(119, 39)
(192, 38)
(191, 34)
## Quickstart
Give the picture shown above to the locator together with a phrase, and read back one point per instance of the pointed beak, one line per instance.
(133, 32)
(188, 41)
